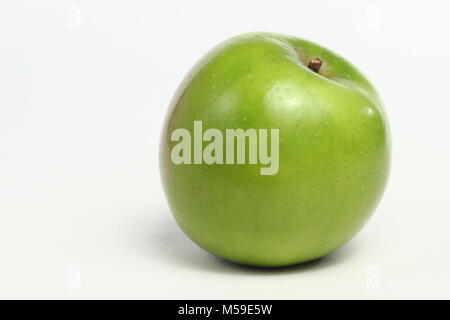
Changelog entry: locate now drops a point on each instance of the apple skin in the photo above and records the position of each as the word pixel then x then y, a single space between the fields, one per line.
pixel 334 152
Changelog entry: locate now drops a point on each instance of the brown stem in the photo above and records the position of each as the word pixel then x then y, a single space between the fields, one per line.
pixel 315 64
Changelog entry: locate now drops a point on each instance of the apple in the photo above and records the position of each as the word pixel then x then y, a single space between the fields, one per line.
pixel 275 151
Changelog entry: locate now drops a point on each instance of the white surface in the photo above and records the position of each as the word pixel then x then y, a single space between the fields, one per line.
pixel 82 213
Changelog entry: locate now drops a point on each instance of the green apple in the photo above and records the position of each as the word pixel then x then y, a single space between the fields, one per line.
pixel 326 151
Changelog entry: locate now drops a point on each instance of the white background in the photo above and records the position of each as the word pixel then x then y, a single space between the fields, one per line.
pixel 84 87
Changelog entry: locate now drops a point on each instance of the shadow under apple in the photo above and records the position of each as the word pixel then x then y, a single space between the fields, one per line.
pixel 167 239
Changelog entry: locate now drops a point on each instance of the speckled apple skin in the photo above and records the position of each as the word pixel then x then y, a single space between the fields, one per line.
pixel 334 152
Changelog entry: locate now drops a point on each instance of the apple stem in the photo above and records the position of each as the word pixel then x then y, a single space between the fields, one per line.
pixel 315 64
